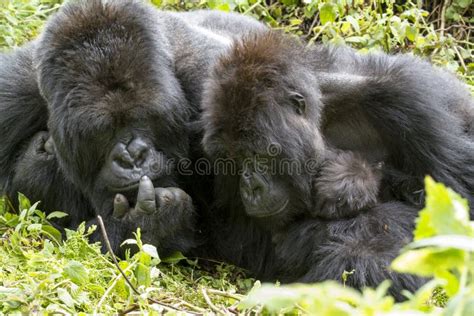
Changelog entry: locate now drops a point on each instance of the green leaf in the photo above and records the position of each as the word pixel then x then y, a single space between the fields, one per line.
pixel 354 23
pixel 142 273
pixel 34 227
pixel 464 3
pixel 427 261
pixel 56 214
pixel 128 242
pixel 65 297
pixel 3 205
pixel 451 285
pixel 174 258
pixel 327 13
pixel 23 202
pixel 448 241
pixel 411 32
pixel 445 213
pixel 76 272
pixel 150 250
pixel 462 304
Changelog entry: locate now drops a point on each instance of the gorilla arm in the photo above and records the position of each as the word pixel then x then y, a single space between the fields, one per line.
pixel 391 109
pixel 25 163
pixel 314 251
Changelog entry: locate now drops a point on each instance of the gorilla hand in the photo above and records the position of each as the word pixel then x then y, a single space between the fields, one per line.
pixel 347 185
pixel 41 146
pixel 164 215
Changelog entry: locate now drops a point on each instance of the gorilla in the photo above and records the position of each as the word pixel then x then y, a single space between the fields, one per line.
pixel 97 114
pixel 364 130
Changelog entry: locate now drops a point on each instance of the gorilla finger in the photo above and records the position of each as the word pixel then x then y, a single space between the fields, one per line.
pixel 146 201
pixel 165 197
pixel 172 197
pixel 121 206
pixel 39 142
pixel 49 146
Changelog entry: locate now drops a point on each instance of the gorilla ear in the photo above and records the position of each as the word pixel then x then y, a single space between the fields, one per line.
pixel 298 102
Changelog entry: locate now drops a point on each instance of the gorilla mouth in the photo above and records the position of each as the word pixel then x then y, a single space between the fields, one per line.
pixel 267 211
pixel 131 186
pixel 125 188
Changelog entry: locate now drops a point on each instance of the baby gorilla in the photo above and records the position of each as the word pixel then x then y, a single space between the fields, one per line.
pixel 362 131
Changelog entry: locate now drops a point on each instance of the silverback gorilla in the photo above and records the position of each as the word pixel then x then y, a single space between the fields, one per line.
pixel 96 114
pixel 378 122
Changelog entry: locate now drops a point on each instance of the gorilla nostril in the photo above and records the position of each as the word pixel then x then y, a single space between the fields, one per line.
pixel 123 163
pixel 246 174
pixel 138 150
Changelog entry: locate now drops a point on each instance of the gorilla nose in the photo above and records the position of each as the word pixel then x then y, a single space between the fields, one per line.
pixel 133 155
pixel 138 151
pixel 254 182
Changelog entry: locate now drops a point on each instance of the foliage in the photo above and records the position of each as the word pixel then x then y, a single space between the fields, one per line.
pixel 21 20
pixel 443 248
pixel 40 272
pixel 439 29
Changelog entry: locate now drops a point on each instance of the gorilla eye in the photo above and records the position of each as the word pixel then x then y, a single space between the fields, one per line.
pixel 299 103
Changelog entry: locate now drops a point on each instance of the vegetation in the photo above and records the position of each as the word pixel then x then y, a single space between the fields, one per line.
pixel 441 30
pixel 40 270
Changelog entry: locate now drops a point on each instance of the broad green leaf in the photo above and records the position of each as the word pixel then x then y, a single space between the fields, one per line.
pixel 52 232
pixel 65 297
pixel 76 272
pixel 142 273
pixel 327 13
pixel 445 213
pixel 174 258
pixel 446 241
pixel 34 227
pixel 345 27
pixel 427 261
pixel 462 304
pixel 411 32
pixel 451 285
pixel 464 3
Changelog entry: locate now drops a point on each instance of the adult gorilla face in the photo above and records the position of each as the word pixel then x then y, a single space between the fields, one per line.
pixel 117 113
pixel 262 110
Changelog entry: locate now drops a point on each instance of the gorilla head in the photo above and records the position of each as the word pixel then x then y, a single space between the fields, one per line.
pixel 117 112
pixel 262 109
pixel 351 130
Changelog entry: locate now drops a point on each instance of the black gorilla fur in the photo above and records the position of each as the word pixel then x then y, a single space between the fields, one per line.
pixel 97 112
pixel 379 122
pixel 120 84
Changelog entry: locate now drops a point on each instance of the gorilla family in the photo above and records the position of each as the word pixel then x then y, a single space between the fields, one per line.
pixel 98 114
pixel 364 131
